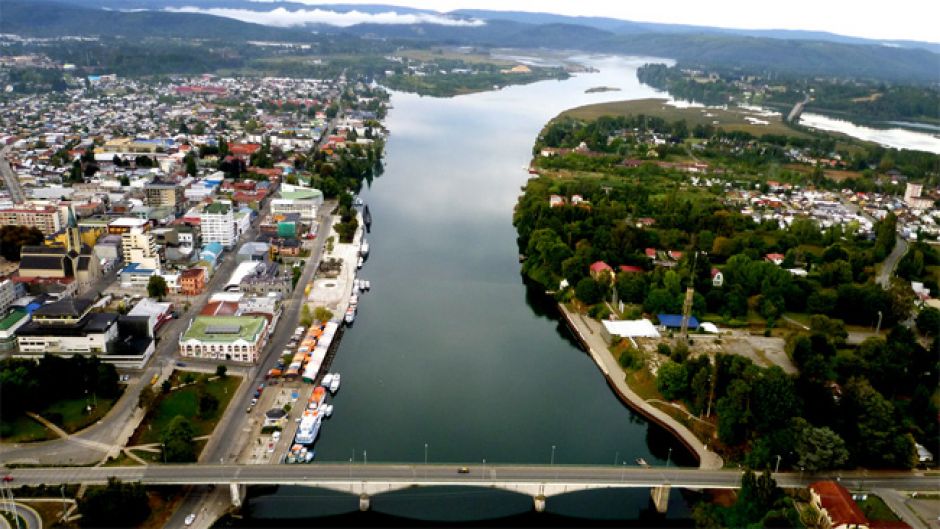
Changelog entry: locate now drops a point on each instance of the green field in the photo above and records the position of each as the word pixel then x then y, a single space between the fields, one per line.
pixel 23 429
pixel 185 402
pixel 731 119
pixel 69 414
pixel 876 510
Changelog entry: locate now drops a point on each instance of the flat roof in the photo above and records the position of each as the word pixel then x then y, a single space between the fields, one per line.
pixel 248 328
pixel 10 319
pixel 128 222
pixel 632 328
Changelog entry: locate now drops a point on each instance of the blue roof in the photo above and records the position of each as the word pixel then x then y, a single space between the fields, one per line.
pixel 674 321
pixel 134 268
pixel 33 306
pixel 214 247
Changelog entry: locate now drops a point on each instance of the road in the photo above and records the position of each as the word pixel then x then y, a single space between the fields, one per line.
pixel 900 504
pixel 891 262
pixel 27 513
pixel 440 474
pixel 10 180
pixel 232 431
pixel 93 443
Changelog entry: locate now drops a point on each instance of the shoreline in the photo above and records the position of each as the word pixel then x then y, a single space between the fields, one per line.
pixel 605 362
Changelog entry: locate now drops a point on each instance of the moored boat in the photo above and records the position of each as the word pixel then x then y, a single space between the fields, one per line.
pixel 334 384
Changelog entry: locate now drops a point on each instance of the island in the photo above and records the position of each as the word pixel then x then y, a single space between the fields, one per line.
pixel 601 89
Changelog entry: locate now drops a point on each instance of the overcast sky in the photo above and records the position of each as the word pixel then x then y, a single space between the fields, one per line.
pixel 897 19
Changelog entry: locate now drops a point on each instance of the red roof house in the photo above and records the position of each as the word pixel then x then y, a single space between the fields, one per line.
pixel 837 505
pixel 599 268
pixel 630 269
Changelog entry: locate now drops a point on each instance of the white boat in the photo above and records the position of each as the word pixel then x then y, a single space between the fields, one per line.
pixel 358 286
pixel 353 300
pixel 357 202
pixel 334 384
pixel 309 428
pixel 367 284
pixel 327 410
pixel 327 379
pixel 364 248
pixel 360 263
pixel 350 315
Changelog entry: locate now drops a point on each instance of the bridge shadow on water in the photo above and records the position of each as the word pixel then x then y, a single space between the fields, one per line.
pixel 292 506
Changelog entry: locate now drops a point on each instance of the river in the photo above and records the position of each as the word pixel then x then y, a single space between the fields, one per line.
pixel 450 348
pixel 889 137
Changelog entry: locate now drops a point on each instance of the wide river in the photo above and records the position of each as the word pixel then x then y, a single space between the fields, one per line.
pixel 450 349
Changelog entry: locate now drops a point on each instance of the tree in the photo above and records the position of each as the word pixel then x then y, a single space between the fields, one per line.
pixel 589 291
pixel 818 448
pixel 146 398
pixel 166 386
pixel 928 321
pixel 873 433
pixel 13 238
pixel 177 440
pixel 115 505
pixel 322 314
pixel 221 371
pixel 306 317
pixel 734 413
pixel 156 287
pixel 208 404
pixel 191 167
pixel 672 380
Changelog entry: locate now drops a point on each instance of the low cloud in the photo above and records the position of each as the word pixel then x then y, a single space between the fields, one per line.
pixel 282 17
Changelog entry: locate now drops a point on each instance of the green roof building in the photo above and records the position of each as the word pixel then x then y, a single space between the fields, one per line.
pixel 236 338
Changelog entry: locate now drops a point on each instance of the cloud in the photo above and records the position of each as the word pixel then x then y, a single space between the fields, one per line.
pixel 282 17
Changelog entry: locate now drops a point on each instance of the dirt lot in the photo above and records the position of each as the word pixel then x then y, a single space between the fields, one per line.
pixel 761 350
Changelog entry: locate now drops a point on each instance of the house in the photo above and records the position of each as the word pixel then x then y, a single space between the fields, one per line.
pixel 835 504
pixel 651 253
pixel 775 258
pixel 675 255
pixel 556 201
pixel 630 269
pixel 718 279
pixel 193 281
pixel 600 268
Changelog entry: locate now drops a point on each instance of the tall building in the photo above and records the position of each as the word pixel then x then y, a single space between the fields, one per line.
pixel 160 193
pixel 217 223
pixel 46 218
pixel 138 246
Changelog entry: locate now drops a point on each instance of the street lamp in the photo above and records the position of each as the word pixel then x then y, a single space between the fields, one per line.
pixel 553 455
pixel 425 454
pixel 669 455
pixel 777 468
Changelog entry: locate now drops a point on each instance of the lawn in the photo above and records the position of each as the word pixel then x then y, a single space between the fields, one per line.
pixel 185 402
pixel 731 119
pixel 24 430
pixel 71 416
pixel 876 510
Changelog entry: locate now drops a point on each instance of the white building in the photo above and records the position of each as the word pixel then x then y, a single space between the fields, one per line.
pixel 217 223
pixel 238 338
pixel 295 199
pixel 138 246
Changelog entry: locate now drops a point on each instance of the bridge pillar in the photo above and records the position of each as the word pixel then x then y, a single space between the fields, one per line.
pixel 539 503
pixel 660 497
pixel 238 494
pixel 364 502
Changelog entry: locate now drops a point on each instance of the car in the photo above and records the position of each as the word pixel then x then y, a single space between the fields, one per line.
pixel 270 448
pixel 181 364
pixel 276 436
pixel 463 470
pixel 125 378
pixel 8 478
pixel 190 518
pixel 254 401
pixel 249 409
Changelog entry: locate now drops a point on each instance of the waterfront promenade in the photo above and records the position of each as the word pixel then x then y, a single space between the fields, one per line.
pixel 589 334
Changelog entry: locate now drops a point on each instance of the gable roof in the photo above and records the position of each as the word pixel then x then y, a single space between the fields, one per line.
pixel 838 503
pixel 600 266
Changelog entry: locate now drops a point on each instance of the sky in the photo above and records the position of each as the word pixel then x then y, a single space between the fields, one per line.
pixel 898 19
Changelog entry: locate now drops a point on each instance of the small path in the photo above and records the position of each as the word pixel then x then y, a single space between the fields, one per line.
pixel 68 437
pixel 589 333
pixel 135 457
pixel 682 409
pixel 48 424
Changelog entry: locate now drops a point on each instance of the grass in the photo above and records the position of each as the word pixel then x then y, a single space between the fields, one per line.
pixel 876 510
pixel 121 461
pixel 24 430
pixel 731 119
pixel 74 416
pixel 50 512
pixel 438 54
pixel 185 402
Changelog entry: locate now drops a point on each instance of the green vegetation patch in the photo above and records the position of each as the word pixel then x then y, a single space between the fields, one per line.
pixel 72 415
pixel 876 510
pixel 185 402
pixel 23 429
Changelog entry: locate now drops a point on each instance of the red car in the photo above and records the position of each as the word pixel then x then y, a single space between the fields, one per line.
pixel 7 478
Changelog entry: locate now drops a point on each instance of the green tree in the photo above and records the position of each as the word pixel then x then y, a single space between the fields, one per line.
pixel 874 434
pixel 672 380
pixel 156 287
pixel 322 314
pixel 589 291
pixel 818 449
pixel 306 316
pixel 166 386
pixel 208 404
pixel 13 238
pixel 221 371
pixel 115 505
pixel 928 321
pixel 191 167
pixel 734 413
pixel 146 398
pixel 177 440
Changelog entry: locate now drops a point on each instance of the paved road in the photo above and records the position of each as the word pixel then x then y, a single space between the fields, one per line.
pixel 891 262
pixel 230 434
pixel 92 444
pixel 27 513
pixel 438 474
pixel 900 505
pixel 10 180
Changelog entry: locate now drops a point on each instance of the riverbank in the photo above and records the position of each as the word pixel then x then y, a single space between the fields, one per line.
pixel 588 333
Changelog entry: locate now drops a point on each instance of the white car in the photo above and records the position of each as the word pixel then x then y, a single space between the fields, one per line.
pixel 190 518
pixel 276 436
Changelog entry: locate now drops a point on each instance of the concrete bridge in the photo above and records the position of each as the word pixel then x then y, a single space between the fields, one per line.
pixel 366 480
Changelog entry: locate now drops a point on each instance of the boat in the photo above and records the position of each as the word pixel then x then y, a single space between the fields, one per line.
pixel 308 457
pixel 327 379
pixel 358 286
pixel 360 263
pixel 309 428
pixel 366 216
pixel 367 284
pixel 350 315
pixel 327 411
pixel 334 384
pixel 364 248
pixel 358 201
pixel 642 462
pixel 354 300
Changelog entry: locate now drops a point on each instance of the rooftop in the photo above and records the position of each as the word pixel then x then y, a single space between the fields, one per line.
pixel 224 328
pixel 10 319
pixel 218 208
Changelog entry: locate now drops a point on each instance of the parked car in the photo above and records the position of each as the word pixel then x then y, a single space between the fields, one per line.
pixel 463 470
pixel 190 518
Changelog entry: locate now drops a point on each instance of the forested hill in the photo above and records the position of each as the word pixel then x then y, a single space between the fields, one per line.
pixel 30 18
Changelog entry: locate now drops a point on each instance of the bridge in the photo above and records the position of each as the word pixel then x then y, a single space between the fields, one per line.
pixel 537 481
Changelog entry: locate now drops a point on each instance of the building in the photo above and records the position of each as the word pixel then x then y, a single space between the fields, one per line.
pixel 296 199
pixel 8 293
pixel 265 279
pixel 193 281
pixel 46 218
pixel 217 222
pixel 836 506
pixel 139 247
pixel 136 276
pixel 913 199
pixel 155 312
pixel 126 224
pixel 253 251
pixel 236 338
pixel 160 193
pixel 67 326
pixel 9 324
pixel 718 278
